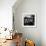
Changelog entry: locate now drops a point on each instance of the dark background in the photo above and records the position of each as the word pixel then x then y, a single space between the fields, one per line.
pixel 29 20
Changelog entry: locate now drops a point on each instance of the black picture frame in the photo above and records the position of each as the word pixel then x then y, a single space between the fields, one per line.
pixel 29 20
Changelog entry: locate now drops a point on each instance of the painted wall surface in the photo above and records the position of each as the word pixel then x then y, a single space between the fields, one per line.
pixel 37 33
pixel 43 22
pixel 6 13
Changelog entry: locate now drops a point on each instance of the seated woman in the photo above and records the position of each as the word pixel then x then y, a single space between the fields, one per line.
pixel 18 39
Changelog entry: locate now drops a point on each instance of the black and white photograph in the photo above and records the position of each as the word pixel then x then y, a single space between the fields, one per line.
pixel 29 20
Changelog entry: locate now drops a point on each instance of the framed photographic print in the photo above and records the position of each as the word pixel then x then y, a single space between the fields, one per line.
pixel 29 20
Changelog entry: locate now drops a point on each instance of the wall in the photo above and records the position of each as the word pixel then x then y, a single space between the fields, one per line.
pixel 6 13
pixel 43 22
pixel 29 32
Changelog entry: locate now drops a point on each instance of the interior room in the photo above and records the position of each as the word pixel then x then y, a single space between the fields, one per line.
pixel 22 22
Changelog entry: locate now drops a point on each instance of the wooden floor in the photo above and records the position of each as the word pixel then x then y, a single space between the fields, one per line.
pixel 9 43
